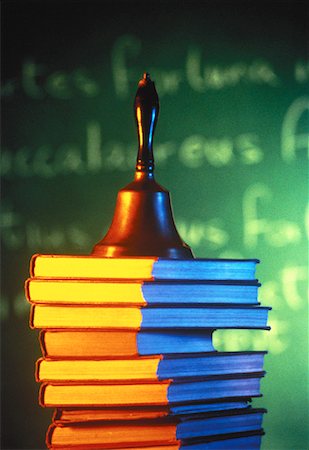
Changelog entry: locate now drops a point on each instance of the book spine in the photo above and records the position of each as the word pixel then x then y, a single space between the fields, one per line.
pixel 147 318
pixel 37 370
pixel 43 344
pixel 49 435
pixel 57 416
pixel 98 292
pixel 31 318
pixel 55 343
pixel 32 264
pixel 26 290
pixel 42 390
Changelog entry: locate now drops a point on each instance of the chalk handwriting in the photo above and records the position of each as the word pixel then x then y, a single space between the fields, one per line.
pixel 193 152
pixel 37 81
pixel 70 158
pixel 201 77
pixel 17 234
pixel 293 140
pixel 275 341
pixel 213 232
pixel 277 233
pixel 292 279
pixel 219 152
pixel 270 292
pixel 124 48
pixel 198 233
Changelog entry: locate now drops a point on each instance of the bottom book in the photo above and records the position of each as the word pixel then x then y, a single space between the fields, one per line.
pixel 155 432
pixel 244 441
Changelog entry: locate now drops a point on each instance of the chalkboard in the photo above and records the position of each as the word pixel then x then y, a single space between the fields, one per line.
pixel 231 147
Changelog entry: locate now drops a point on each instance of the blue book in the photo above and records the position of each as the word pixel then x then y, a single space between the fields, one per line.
pixel 97 292
pixel 112 434
pixel 149 368
pixel 151 393
pixel 142 268
pixel 215 389
pixel 209 364
pixel 220 423
pixel 96 343
pixel 64 416
pixel 148 318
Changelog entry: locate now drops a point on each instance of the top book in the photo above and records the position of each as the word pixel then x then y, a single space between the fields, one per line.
pixel 143 268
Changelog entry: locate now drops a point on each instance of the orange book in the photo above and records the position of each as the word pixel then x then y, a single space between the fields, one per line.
pixel 116 292
pixel 141 268
pixel 89 266
pixel 84 395
pixel 150 393
pixel 156 431
pixel 246 440
pixel 93 344
pixel 91 447
pixel 65 416
pixel 149 368
pixel 111 435
pixel 145 318
pixel 134 447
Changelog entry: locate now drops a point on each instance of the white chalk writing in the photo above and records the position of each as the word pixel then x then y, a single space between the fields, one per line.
pixel 37 81
pixel 195 151
pixel 292 139
pixel 276 232
pixel 275 341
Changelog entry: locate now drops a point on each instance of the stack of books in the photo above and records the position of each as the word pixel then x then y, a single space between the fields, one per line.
pixel 127 353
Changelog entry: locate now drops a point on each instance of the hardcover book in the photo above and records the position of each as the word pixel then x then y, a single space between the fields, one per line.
pixel 234 441
pixel 116 343
pixel 143 318
pixel 151 393
pixel 150 368
pixel 97 292
pixel 63 416
pixel 159 431
pixel 141 268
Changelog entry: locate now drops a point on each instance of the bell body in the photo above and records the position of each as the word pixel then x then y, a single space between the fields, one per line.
pixel 143 224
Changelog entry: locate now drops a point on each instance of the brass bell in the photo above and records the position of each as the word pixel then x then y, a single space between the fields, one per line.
pixel 143 223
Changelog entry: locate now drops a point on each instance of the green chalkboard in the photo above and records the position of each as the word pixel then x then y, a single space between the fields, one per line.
pixel 231 146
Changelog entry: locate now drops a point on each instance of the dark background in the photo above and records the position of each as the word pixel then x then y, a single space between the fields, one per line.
pixel 231 147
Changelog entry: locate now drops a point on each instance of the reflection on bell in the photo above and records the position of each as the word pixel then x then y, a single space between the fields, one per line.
pixel 143 223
